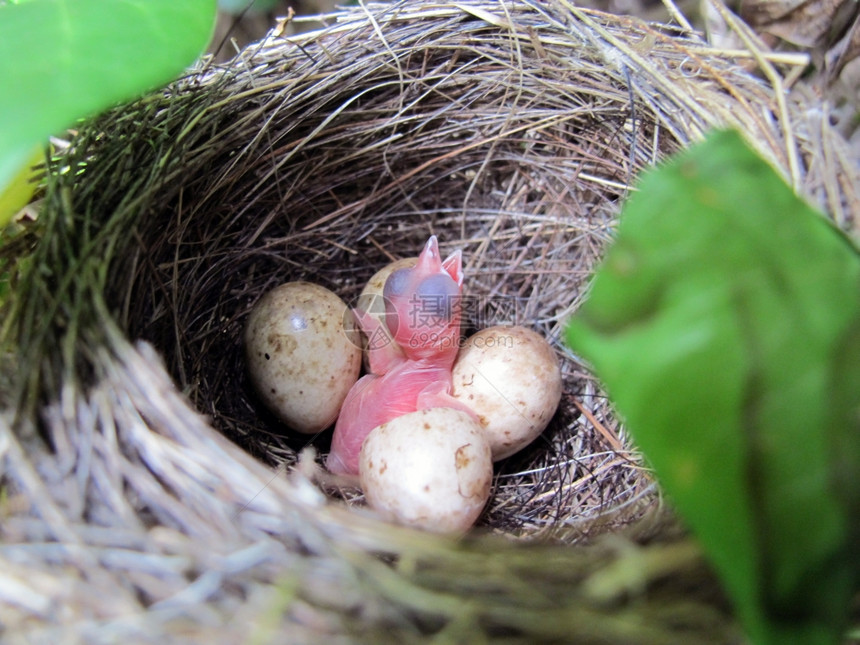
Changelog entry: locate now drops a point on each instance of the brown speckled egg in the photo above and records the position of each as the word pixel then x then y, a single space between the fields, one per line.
pixel 301 360
pixel 510 377
pixel 431 469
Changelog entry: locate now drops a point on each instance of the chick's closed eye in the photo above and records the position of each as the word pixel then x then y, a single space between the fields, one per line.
pixel 437 296
pixel 396 284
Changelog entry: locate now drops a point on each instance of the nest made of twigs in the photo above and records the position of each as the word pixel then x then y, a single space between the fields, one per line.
pixel 513 131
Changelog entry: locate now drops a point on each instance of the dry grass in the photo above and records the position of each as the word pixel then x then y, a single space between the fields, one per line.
pixel 513 132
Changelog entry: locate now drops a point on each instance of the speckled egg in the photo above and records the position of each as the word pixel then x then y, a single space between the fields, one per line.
pixel 431 469
pixel 300 358
pixel 510 377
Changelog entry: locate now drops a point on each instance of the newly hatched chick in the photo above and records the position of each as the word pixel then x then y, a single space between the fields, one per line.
pixel 412 371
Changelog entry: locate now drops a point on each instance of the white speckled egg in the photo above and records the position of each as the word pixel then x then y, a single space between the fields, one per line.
pixel 510 377
pixel 431 469
pixel 301 360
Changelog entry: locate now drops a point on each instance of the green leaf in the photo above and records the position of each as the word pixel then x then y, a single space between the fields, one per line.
pixel 61 60
pixel 251 7
pixel 725 324
pixel 21 186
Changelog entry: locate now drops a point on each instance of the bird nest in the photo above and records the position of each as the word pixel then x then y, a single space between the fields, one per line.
pixel 147 493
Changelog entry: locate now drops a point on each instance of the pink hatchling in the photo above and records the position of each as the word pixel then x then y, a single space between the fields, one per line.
pixel 412 371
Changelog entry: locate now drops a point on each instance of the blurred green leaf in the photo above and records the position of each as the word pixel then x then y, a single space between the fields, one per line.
pixel 238 7
pixel 21 186
pixel 61 60
pixel 725 324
